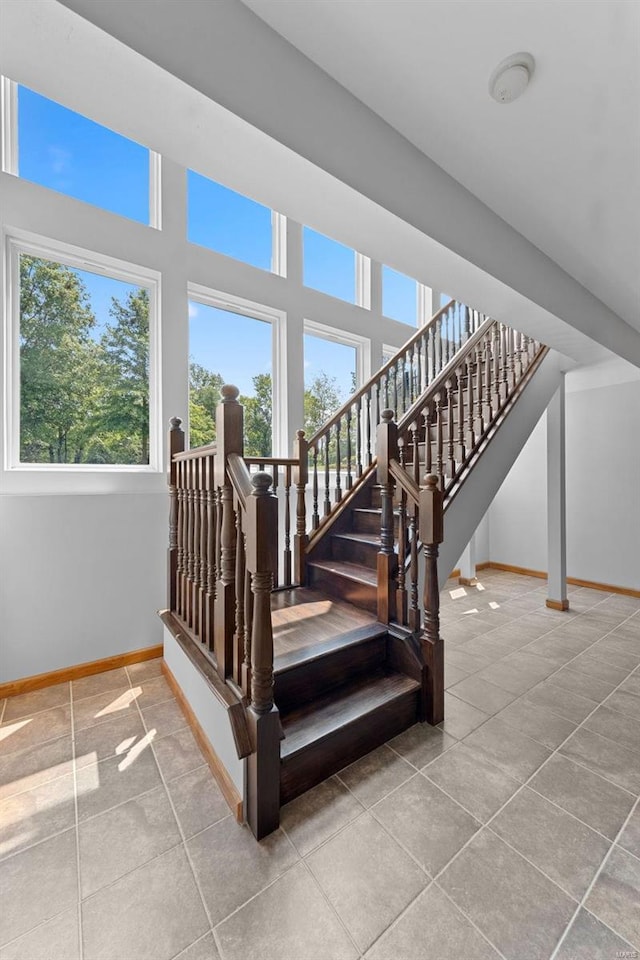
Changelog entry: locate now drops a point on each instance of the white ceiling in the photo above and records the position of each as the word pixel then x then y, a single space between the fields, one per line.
pixel 561 165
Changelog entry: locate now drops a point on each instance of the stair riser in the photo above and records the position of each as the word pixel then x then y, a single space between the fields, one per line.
pixel 355 551
pixel 342 588
pixel 369 522
pixel 306 682
pixel 302 771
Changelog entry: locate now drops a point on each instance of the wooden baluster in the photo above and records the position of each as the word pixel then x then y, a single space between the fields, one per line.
pixel 378 389
pixel 239 646
pixel 504 381
pixel 495 341
pixel 512 359
pixel 480 390
pixel 248 626
pixel 431 534
pixel 451 439
pixel 401 368
pixel 439 406
pixel 428 450
pixel 368 428
pixel 471 419
pixel 301 476
pixel 338 490
pixel 327 487
pixel 287 526
pixel 415 450
pixel 414 609
pixel 175 444
pixel 385 380
pixel 349 480
pixel 395 389
pixel 386 450
pixel 488 387
pixel 463 372
pixel 359 437
pixel 197 530
pixel 274 489
pixel 467 323
pixel 204 530
pixel 315 517
pixel 432 351
pixel 263 764
pixel 212 525
pixel 191 559
pixel 419 383
pixel 229 434
pixel 401 591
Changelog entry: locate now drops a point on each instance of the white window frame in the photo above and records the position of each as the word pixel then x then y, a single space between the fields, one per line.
pixel 277 318
pixel 18 243
pixel 361 345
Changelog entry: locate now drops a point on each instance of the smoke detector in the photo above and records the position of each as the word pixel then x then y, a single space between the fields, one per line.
pixel 510 78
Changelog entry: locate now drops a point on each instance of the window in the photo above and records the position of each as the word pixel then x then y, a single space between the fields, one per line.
pixel 228 222
pixel 329 378
pixel 399 296
pixel 329 266
pixel 226 346
pixel 83 388
pixel 65 151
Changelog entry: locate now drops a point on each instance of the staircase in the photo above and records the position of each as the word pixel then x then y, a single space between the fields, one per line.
pixel 369 492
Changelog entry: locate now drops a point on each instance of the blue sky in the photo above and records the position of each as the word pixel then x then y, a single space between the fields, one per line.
pixel 69 153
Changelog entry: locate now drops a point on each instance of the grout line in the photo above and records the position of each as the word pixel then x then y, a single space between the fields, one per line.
pixel 472 922
pixel 595 879
pixel 188 947
pixel 333 910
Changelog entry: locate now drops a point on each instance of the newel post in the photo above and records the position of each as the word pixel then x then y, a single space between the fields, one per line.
pixel 431 535
pixel 263 765
pixel 175 444
pixel 300 478
pixel 386 450
pixel 229 439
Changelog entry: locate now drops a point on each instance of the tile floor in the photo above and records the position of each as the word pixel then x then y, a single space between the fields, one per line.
pixel 513 831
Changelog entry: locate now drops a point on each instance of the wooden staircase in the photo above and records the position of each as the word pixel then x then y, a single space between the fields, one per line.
pixel 364 516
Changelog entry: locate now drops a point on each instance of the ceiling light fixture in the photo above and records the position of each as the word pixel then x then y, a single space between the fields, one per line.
pixel 510 78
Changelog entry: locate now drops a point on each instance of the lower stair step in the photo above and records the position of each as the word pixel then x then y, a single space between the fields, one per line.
pixel 325 735
pixel 352 582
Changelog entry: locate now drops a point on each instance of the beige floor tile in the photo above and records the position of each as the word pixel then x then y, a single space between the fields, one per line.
pixel 290 919
pixel 588 939
pixel 99 683
pixel 604 757
pixel 616 895
pixel 151 914
pixel 632 684
pixel 109 705
pixel 153 691
pixel 519 672
pixel 231 867
pixel 562 847
pixel 623 702
pixel 38 884
pixel 596 801
pixel 164 718
pixel 452 675
pixel 600 669
pixel 26 770
pixel 481 694
pixel 537 723
pixel 460 718
pixel 28 732
pixel 26 704
pixel 621 729
pixel 588 687
pixel 36 814
pixel 197 800
pixel 112 738
pixel 630 838
pixel 57 939
pixel 145 670
pixel 376 775
pixel 177 754
pixel 471 780
pixel 317 815
pixel 111 782
pixel 516 755
pixel 203 949
pixel 367 878
pixel 507 898
pixel 421 743
pixel 432 929
pixel 124 838
pixel 561 702
pixel 426 822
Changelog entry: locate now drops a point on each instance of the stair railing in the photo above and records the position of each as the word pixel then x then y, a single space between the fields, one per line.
pixel 339 456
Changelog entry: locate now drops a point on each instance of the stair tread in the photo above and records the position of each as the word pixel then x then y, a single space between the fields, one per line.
pixel 314 721
pixel 343 568
pixel 342 641
pixel 372 538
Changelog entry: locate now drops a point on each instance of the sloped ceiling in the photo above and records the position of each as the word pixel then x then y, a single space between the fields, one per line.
pixel 562 165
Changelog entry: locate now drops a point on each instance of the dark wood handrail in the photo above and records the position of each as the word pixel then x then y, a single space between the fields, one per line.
pixel 196 452
pixel 272 461
pixel 240 478
pixel 378 375
pixel 405 480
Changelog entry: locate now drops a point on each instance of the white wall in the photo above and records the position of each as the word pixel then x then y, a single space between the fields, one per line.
pixel 603 484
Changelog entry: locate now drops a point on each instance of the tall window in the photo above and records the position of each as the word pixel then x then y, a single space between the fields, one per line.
pixel 229 347
pixel 399 296
pixel 65 151
pixel 329 266
pixel 84 359
pixel 228 222
pixel 329 379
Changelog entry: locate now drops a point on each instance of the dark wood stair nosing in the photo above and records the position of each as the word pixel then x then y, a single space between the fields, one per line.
pixel 352 639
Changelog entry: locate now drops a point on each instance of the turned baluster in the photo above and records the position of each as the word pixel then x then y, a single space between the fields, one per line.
pixel 495 348
pixel 386 450
pixel 248 626
pixel 439 407
pixel 315 517
pixel 512 359
pixel 488 388
pixel 451 457
pixel 212 525
pixel 301 476
pixel 401 591
pixel 428 439
pixel 327 480
pixel 432 352
pixel 419 383
pixel 504 381
pixel 240 644
pixel 463 372
pixel 286 555
pixel 349 478
pixel 480 389
pixel 274 489
pixel 182 542
pixel 358 437
pixel 413 619
pixel 401 368
pixel 368 429
pixel 191 557
pixel 471 421
pixel 175 444
pixel 431 534
pixel 197 530
pixel 415 450
pixel 338 490
pixel 204 531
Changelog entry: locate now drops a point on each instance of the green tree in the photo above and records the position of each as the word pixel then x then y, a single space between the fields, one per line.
pixel 59 363
pixel 321 400
pixel 258 417
pixel 204 396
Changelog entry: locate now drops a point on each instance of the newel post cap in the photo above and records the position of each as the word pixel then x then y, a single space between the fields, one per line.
pixel 230 393
pixel 261 482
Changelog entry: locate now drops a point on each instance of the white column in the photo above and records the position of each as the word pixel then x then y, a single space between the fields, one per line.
pixel 556 503
pixel 468 563
pixel 291 349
